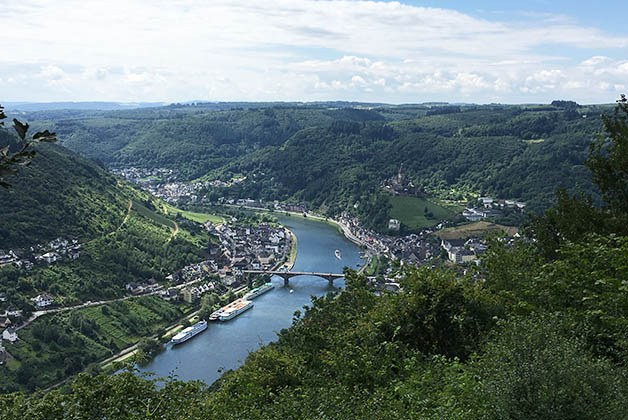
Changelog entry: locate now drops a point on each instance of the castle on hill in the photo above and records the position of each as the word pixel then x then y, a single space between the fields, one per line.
pixel 400 184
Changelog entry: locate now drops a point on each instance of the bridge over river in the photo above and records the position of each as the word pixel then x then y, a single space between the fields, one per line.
pixel 287 275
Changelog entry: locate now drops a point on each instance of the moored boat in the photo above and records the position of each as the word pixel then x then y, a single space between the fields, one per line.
pixel 189 332
pixel 259 291
pixel 234 309
pixel 215 316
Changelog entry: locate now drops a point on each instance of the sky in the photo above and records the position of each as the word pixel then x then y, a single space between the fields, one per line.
pixel 309 50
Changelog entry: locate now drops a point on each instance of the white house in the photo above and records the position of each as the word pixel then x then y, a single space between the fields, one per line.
pixel 43 300
pixel 50 257
pixel 10 335
pixel 13 311
pixel 487 201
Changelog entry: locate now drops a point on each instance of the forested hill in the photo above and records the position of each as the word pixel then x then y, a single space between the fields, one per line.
pixel 335 157
pixel 60 193
pixel 123 234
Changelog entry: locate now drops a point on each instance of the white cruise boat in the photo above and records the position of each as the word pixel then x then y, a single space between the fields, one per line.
pixel 259 291
pixel 189 332
pixel 234 309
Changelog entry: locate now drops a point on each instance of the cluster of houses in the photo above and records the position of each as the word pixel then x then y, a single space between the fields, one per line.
pixel 172 192
pixel 10 315
pixel 193 293
pixel 58 249
pixel 51 252
pixel 144 175
pixel 7 324
pixel 475 214
pixel 15 257
pixel 239 248
pixel 48 253
pixel 193 272
pixel 260 204
pixel 414 249
pixel 489 202
pixel 148 286
pixel 490 208
pixel 225 184
pixel 462 251
pixel 161 183
pixel 252 247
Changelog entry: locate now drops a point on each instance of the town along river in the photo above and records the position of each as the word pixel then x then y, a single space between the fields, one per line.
pixel 225 345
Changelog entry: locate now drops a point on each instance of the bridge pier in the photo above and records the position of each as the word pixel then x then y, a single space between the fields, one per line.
pixel 286 281
pixel 330 280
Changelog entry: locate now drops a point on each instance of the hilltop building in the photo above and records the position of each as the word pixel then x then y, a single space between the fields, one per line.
pixel 399 184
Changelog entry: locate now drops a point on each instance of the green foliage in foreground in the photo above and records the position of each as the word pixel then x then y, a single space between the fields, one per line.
pixel 445 347
pixel 14 155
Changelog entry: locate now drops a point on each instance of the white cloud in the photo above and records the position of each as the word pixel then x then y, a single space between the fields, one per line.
pixel 52 73
pixel 294 50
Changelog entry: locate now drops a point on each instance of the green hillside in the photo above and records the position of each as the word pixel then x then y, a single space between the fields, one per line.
pixel 417 212
pixel 334 158
pixel 123 233
pixel 60 193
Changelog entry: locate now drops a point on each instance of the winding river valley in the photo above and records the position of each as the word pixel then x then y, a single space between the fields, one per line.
pixel 226 345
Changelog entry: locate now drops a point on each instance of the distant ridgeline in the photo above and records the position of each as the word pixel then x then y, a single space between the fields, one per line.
pixel 334 155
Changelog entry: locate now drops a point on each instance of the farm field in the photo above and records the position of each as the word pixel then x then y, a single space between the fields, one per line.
pixel 155 216
pixel 411 211
pixel 195 216
pixel 474 229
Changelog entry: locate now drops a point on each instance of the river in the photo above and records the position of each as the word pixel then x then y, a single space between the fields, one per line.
pixel 226 345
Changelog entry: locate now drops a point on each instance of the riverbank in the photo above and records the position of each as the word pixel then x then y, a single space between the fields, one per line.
pixel 339 225
pixel 288 265
pixel 226 345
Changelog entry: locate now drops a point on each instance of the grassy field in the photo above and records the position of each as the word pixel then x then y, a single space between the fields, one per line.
pixel 369 270
pixel 155 216
pixel 474 229
pixel 411 211
pixel 197 217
